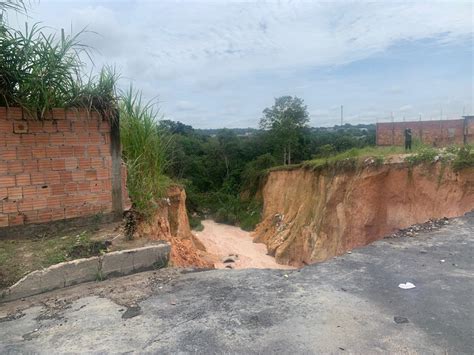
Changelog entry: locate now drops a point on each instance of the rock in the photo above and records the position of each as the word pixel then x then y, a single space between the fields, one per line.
pixel 131 312
pixel 400 320
pixel 228 259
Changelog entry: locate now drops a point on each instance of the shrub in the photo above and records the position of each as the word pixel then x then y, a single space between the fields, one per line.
pixel 423 155
pixel 464 158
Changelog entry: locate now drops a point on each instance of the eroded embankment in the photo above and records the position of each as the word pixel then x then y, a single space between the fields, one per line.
pixel 171 223
pixel 311 216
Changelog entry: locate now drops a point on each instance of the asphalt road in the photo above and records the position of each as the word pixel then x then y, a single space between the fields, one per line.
pixel 345 305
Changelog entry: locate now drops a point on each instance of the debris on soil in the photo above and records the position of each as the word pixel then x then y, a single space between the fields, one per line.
pixel 132 311
pixel 400 320
pixel 406 286
pixel 412 231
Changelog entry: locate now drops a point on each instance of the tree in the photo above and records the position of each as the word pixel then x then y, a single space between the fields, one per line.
pixel 286 119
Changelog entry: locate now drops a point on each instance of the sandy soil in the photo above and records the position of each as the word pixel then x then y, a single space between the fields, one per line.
pixel 222 240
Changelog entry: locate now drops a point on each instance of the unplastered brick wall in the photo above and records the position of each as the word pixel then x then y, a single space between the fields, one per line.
pixel 437 133
pixel 54 169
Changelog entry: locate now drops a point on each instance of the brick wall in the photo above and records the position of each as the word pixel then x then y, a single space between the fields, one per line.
pixel 437 133
pixel 54 169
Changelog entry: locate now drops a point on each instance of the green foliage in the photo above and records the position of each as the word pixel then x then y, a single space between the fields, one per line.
pixel 195 222
pixel 464 158
pixel 285 120
pixel 145 151
pixel 423 155
pixel 255 171
pixel 40 71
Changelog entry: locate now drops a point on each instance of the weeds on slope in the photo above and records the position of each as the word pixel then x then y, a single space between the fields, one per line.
pixel 145 151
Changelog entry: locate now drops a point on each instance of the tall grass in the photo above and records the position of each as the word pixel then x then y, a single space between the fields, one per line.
pixel 40 71
pixel 145 151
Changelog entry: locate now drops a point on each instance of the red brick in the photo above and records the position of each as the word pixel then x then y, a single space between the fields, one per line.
pixel 58 113
pixel 71 114
pixel 50 126
pixel 44 215
pixel 3 194
pixel 8 154
pixel 12 140
pixel 37 178
pixel 95 138
pixel 3 220
pixel 15 193
pixel 26 205
pixel 55 201
pixel 71 138
pixel 3 167
pixel 30 216
pixel 15 167
pixel 45 164
pixel 91 174
pixel 93 151
pixel 83 186
pixel 40 203
pixel 71 163
pixel 78 175
pixel 30 166
pixel 29 192
pixel 58 164
pixel 23 153
pixel 43 191
pixel 52 177
pixel 41 139
pixel 23 180
pixel 36 127
pixel 14 113
pixel 38 152
pixel 84 163
pixel 57 214
pixel 64 126
pixel 79 151
pixel 56 139
pixel 72 212
pixel 66 151
pixel 10 206
pixel 66 176
pixel 15 219
pixel 102 174
pixel 97 163
pixel 6 126
pixel 70 187
pixel 53 152
pixel 7 181
pixel 57 189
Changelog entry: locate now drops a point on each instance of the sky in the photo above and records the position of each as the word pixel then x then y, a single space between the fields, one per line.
pixel 215 64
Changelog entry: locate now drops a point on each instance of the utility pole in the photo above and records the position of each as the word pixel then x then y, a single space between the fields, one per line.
pixel 342 114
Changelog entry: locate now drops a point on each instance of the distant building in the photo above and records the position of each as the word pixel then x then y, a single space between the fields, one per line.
pixel 438 133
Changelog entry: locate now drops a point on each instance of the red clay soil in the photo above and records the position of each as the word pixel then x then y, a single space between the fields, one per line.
pixel 311 216
pixel 171 223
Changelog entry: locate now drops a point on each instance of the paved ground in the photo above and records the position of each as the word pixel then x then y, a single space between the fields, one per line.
pixel 346 305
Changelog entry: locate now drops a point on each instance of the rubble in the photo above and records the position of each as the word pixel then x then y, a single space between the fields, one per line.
pixel 414 230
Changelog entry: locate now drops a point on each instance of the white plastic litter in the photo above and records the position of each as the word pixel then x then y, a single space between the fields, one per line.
pixel 407 286
pixel 442 260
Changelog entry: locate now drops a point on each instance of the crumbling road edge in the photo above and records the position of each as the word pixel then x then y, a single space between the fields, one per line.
pixel 74 272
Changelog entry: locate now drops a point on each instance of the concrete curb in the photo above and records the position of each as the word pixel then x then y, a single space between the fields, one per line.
pixel 83 270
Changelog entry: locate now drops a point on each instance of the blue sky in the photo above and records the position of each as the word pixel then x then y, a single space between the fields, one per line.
pixel 216 64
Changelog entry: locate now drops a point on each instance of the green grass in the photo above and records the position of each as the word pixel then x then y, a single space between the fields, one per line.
pixel 464 158
pixel 40 70
pixel 145 151
pixel 20 256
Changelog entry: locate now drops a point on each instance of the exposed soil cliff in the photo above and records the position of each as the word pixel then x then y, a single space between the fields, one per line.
pixel 171 223
pixel 311 216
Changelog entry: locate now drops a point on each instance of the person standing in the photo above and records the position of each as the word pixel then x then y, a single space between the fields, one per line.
pixel 407 139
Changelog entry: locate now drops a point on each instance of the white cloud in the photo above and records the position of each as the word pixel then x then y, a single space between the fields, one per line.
pixel 188 49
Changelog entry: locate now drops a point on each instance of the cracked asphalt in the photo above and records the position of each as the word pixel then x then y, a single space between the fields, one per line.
pixel 346 305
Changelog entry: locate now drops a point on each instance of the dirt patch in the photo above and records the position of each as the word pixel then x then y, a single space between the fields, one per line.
pixel 233 248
